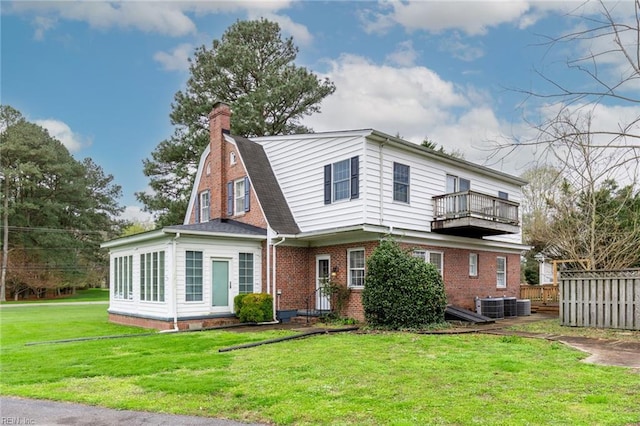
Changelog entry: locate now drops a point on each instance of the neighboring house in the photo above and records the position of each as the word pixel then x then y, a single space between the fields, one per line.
pixel 282 214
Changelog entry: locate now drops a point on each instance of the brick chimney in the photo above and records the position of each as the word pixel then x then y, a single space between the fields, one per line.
pixel 219 124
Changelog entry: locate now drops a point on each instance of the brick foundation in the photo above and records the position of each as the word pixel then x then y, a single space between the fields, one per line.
pixel 168 325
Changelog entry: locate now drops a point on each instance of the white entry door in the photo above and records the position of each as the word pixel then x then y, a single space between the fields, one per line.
pixel 323 301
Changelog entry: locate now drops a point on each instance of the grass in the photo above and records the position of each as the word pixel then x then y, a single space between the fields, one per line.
pixel 87 295
pixel 350 378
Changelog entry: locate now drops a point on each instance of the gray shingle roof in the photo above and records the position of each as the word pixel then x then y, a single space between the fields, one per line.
pixel 222 226
pixel 266 187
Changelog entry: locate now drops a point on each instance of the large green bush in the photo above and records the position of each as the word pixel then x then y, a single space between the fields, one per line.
pixel 254 307
pixel 402 291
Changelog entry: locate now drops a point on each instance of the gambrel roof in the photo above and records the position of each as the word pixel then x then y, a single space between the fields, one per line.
pixel 266 187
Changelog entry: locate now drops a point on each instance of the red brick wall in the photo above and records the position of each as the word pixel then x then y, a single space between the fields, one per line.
pixel 221 171
pixel 297 268
pixel 168 325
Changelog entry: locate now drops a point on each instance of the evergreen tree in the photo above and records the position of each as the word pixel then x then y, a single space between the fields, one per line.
pixel 252 69
pixel 56 210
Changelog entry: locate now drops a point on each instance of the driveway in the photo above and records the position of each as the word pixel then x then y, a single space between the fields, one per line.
pixel 19 411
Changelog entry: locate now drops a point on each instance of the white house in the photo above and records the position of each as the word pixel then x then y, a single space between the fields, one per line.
pixel 282 214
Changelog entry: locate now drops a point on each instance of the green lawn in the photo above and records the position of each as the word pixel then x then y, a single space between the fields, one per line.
pixel 372 378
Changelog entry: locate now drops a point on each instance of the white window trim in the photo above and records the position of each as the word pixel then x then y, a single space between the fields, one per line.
pixel 426 255
pixel 205 210
pixel 232 158
pixel 408 184
pixel 473 264
pixel 200 301
pixel 349 269
pixel 236 197
pixel 333 181
pixel 503 272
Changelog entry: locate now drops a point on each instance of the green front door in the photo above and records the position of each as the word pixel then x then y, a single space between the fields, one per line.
pixel 220 283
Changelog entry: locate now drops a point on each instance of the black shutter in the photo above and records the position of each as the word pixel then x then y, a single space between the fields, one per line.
pixel 247 194
pixel 355 178
pixel 229 198
pixel 327 184
pixel 196 206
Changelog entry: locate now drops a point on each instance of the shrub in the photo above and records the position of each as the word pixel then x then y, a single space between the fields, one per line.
pixel 254 307
pixel 402 291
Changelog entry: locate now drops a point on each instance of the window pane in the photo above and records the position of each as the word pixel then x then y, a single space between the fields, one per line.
pixel 473 264
pixel 435 258
pixel 193 276
pixel 400 182
pixel 341 180
pixel 246 272
pixel 501 272
pixel 204 207
pixel 239 196
pixel 356 268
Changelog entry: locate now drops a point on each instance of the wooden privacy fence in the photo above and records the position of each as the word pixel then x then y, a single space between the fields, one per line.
pixel 604 299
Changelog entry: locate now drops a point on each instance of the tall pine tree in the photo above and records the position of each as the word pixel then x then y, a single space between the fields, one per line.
pixel 252 69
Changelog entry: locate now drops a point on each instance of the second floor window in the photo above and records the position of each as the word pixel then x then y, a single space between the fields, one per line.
pixel 400 182
pixel 238 193
pixel 204 206
pixel 341 180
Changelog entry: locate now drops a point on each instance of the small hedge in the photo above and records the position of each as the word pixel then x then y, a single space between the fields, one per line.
pixel 254 307
pixel 402 291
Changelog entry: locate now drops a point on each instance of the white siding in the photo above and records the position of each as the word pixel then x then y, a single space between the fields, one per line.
pixel 219 249
pixel 135 305
pixel 427 179
pixel 298 162
pixel 212 248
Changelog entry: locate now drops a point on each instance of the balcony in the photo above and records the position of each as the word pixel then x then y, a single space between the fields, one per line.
pixel 475 215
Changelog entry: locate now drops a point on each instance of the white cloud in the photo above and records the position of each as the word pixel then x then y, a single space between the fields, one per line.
pixel 162 17
pixel 137 215
pixel 300 33
pixel 461 50
pixel 471 17
pixel 177 59
pixel 404 55
pixel 42 25
pixel 415 102
pixel 62 132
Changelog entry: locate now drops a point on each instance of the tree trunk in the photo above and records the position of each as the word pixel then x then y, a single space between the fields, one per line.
pixel 5 242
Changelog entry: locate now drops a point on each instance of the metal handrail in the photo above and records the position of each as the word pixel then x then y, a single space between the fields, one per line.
pixel 325 303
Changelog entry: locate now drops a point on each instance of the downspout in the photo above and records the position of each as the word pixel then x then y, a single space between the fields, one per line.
pixel 381 174
pixel 269 233
pixel 273 271
pixel 174 278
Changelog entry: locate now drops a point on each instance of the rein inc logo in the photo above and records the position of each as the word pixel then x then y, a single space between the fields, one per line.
pixel 16 421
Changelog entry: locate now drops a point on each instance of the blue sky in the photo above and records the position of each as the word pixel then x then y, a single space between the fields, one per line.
pixel 101 76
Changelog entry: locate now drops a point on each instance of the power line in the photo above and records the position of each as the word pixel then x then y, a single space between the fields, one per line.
pixel 61 230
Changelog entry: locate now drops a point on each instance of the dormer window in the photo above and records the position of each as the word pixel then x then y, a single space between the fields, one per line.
pixel 238 196
pixel 232 158
pixel 204 206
